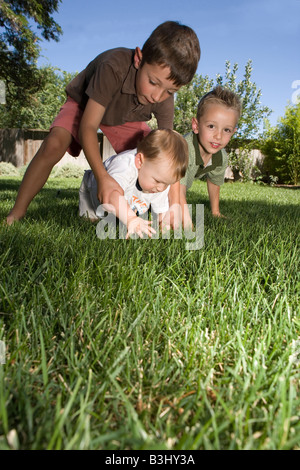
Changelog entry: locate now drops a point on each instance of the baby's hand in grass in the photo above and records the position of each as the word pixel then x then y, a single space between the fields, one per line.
pixel 139 226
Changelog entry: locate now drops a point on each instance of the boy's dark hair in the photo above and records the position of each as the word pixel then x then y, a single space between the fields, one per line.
pixel 170 143
pixel 176 46
pixel 223 96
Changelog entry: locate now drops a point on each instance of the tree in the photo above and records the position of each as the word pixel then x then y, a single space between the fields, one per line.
pixel 43 106
pixel 186 102
pixel 281 146
pixel 19 48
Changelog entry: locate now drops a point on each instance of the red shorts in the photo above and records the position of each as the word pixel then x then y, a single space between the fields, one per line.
pixel 122 137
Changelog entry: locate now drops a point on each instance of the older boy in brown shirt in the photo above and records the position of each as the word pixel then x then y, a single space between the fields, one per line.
pixel 117 93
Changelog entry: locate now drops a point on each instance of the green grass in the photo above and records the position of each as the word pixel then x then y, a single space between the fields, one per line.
pixel 142 344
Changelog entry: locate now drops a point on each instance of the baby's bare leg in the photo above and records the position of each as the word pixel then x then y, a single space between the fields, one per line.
pixel 51 151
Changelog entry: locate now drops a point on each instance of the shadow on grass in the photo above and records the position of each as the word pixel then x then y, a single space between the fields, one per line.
pixel 54 242
pixel 250 211
pixel 56 203
pixel 60 205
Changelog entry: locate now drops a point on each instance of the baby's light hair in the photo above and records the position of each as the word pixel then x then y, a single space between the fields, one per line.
pixel 222 96
pixel 170 142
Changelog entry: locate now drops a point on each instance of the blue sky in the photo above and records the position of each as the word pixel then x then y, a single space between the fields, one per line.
pixel 266 31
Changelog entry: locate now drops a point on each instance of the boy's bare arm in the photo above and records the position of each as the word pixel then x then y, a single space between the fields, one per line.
pixel 174 213
pixel 89 125
pixel 186 218
pixel 214 198
pixel 121 208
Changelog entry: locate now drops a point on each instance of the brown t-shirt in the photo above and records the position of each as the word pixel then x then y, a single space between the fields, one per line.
pixel 110 81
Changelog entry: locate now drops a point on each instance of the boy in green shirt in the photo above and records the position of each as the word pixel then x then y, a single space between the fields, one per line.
pixel 217 117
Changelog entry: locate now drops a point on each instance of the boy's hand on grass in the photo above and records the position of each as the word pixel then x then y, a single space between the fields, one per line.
pixel 219 215
pixel 164 226
pixel 13 217
pixel 173 218
pixel 188 224
pixel 10 219
pixel 139 226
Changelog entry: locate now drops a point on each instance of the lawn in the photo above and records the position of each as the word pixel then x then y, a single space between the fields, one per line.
pixel 143 344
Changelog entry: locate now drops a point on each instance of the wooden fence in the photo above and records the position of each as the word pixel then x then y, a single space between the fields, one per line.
pixel 18 146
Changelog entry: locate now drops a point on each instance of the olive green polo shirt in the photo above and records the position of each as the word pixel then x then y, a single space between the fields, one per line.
pixel 215 170
pixel 110 81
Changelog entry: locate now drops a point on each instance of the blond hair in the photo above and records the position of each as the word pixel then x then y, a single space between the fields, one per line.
pixel 169 142
pixel 223 96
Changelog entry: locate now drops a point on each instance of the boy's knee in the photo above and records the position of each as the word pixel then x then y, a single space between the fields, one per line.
pixel 55 145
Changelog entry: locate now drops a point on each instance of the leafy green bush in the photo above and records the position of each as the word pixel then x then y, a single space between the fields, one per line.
pixel 281 147
pixel 8 169
pixel 68 171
